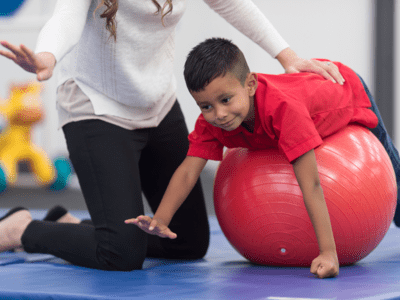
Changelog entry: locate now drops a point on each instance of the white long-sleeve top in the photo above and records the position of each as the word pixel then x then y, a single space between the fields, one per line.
pixel 133 77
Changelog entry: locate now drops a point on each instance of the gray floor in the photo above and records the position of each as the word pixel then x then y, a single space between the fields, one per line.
pixel 26 193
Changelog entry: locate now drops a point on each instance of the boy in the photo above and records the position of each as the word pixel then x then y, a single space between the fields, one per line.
pixel 257 111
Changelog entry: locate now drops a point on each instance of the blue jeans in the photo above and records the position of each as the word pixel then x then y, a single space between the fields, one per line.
pixel 381 133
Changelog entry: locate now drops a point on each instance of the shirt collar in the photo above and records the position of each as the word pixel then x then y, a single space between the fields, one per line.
pixel 233 132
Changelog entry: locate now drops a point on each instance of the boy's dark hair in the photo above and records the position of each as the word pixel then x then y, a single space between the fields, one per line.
pixel 211 59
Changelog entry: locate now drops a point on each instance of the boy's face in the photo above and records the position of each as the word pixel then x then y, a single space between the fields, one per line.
pixel 225 103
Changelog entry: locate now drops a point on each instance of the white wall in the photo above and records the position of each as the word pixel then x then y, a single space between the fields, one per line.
pixel 335 29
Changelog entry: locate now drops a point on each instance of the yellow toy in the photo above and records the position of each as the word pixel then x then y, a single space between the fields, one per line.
pixel 21 111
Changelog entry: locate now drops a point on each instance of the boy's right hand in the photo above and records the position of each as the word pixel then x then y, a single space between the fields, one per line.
pixel 42 63
pixel 326 265
pixel 152 226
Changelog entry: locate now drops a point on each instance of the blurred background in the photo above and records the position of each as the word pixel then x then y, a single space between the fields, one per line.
pixel 360 33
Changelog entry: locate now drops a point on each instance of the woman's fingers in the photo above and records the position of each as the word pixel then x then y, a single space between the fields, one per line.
pixel 18 53
pixel 326 69
pixel 8 55
pixel 330 71
pixel 22 56
pixel 43 75
pixel 29 54
pixel 326 75
pixel 9 46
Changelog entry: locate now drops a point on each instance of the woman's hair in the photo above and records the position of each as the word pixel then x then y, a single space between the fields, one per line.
pixel 162 9
pixel 109 15
pixel 112 8
pixel 211 59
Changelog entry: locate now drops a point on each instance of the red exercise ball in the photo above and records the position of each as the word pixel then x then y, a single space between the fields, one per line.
pixel 260 207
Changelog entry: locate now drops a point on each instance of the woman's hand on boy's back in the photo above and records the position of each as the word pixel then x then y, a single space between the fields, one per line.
pixel 294 64
pixel 42 63
pixel 325 265
pixel 152 226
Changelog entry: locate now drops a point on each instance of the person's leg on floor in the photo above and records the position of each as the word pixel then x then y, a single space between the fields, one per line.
pixel 105 158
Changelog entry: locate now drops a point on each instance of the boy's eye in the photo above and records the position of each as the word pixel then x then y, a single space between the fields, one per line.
pixel 205 107
pixel 226 100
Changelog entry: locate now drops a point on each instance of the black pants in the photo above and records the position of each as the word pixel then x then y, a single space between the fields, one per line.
pixel 114 166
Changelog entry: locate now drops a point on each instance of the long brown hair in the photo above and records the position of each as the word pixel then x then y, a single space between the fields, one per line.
pixel 162 9
pixel 112 8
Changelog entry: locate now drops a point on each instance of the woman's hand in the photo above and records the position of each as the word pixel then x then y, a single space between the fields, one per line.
pixel 294 64
pixel 152 226
pixel 42 63
pixel 325 265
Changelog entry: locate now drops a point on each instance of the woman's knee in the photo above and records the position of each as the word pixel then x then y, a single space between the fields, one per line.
pixel 121 248
pixel 121 257
pixel 198 247
pixel 188 245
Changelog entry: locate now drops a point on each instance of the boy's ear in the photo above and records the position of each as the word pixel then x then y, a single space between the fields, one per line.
pixel 252 83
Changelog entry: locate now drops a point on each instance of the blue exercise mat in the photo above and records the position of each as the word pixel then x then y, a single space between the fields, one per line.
pixel 8 258
pixel 222 274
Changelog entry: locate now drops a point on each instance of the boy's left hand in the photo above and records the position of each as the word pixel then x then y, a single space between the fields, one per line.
pixel 325 265
pixel 152 226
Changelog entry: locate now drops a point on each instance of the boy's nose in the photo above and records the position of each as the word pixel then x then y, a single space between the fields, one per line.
pixel 221 114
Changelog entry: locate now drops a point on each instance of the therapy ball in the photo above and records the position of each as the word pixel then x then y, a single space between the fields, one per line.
pixel 261 211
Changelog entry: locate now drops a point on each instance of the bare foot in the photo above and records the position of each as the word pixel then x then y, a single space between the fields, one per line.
pixel 68 218
pixel 12 228
pixel 60 214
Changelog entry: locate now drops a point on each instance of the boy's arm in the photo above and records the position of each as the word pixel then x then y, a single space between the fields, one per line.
pixel 306 171
pixel 180 185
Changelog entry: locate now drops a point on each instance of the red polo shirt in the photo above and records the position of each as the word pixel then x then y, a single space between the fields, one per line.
pixel 294 112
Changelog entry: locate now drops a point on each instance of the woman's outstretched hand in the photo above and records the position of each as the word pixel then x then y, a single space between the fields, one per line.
pixel 294 64
pixel 152 226
pixel 41 63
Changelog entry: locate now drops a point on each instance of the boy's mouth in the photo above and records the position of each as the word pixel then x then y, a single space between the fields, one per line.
pixel 226 124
